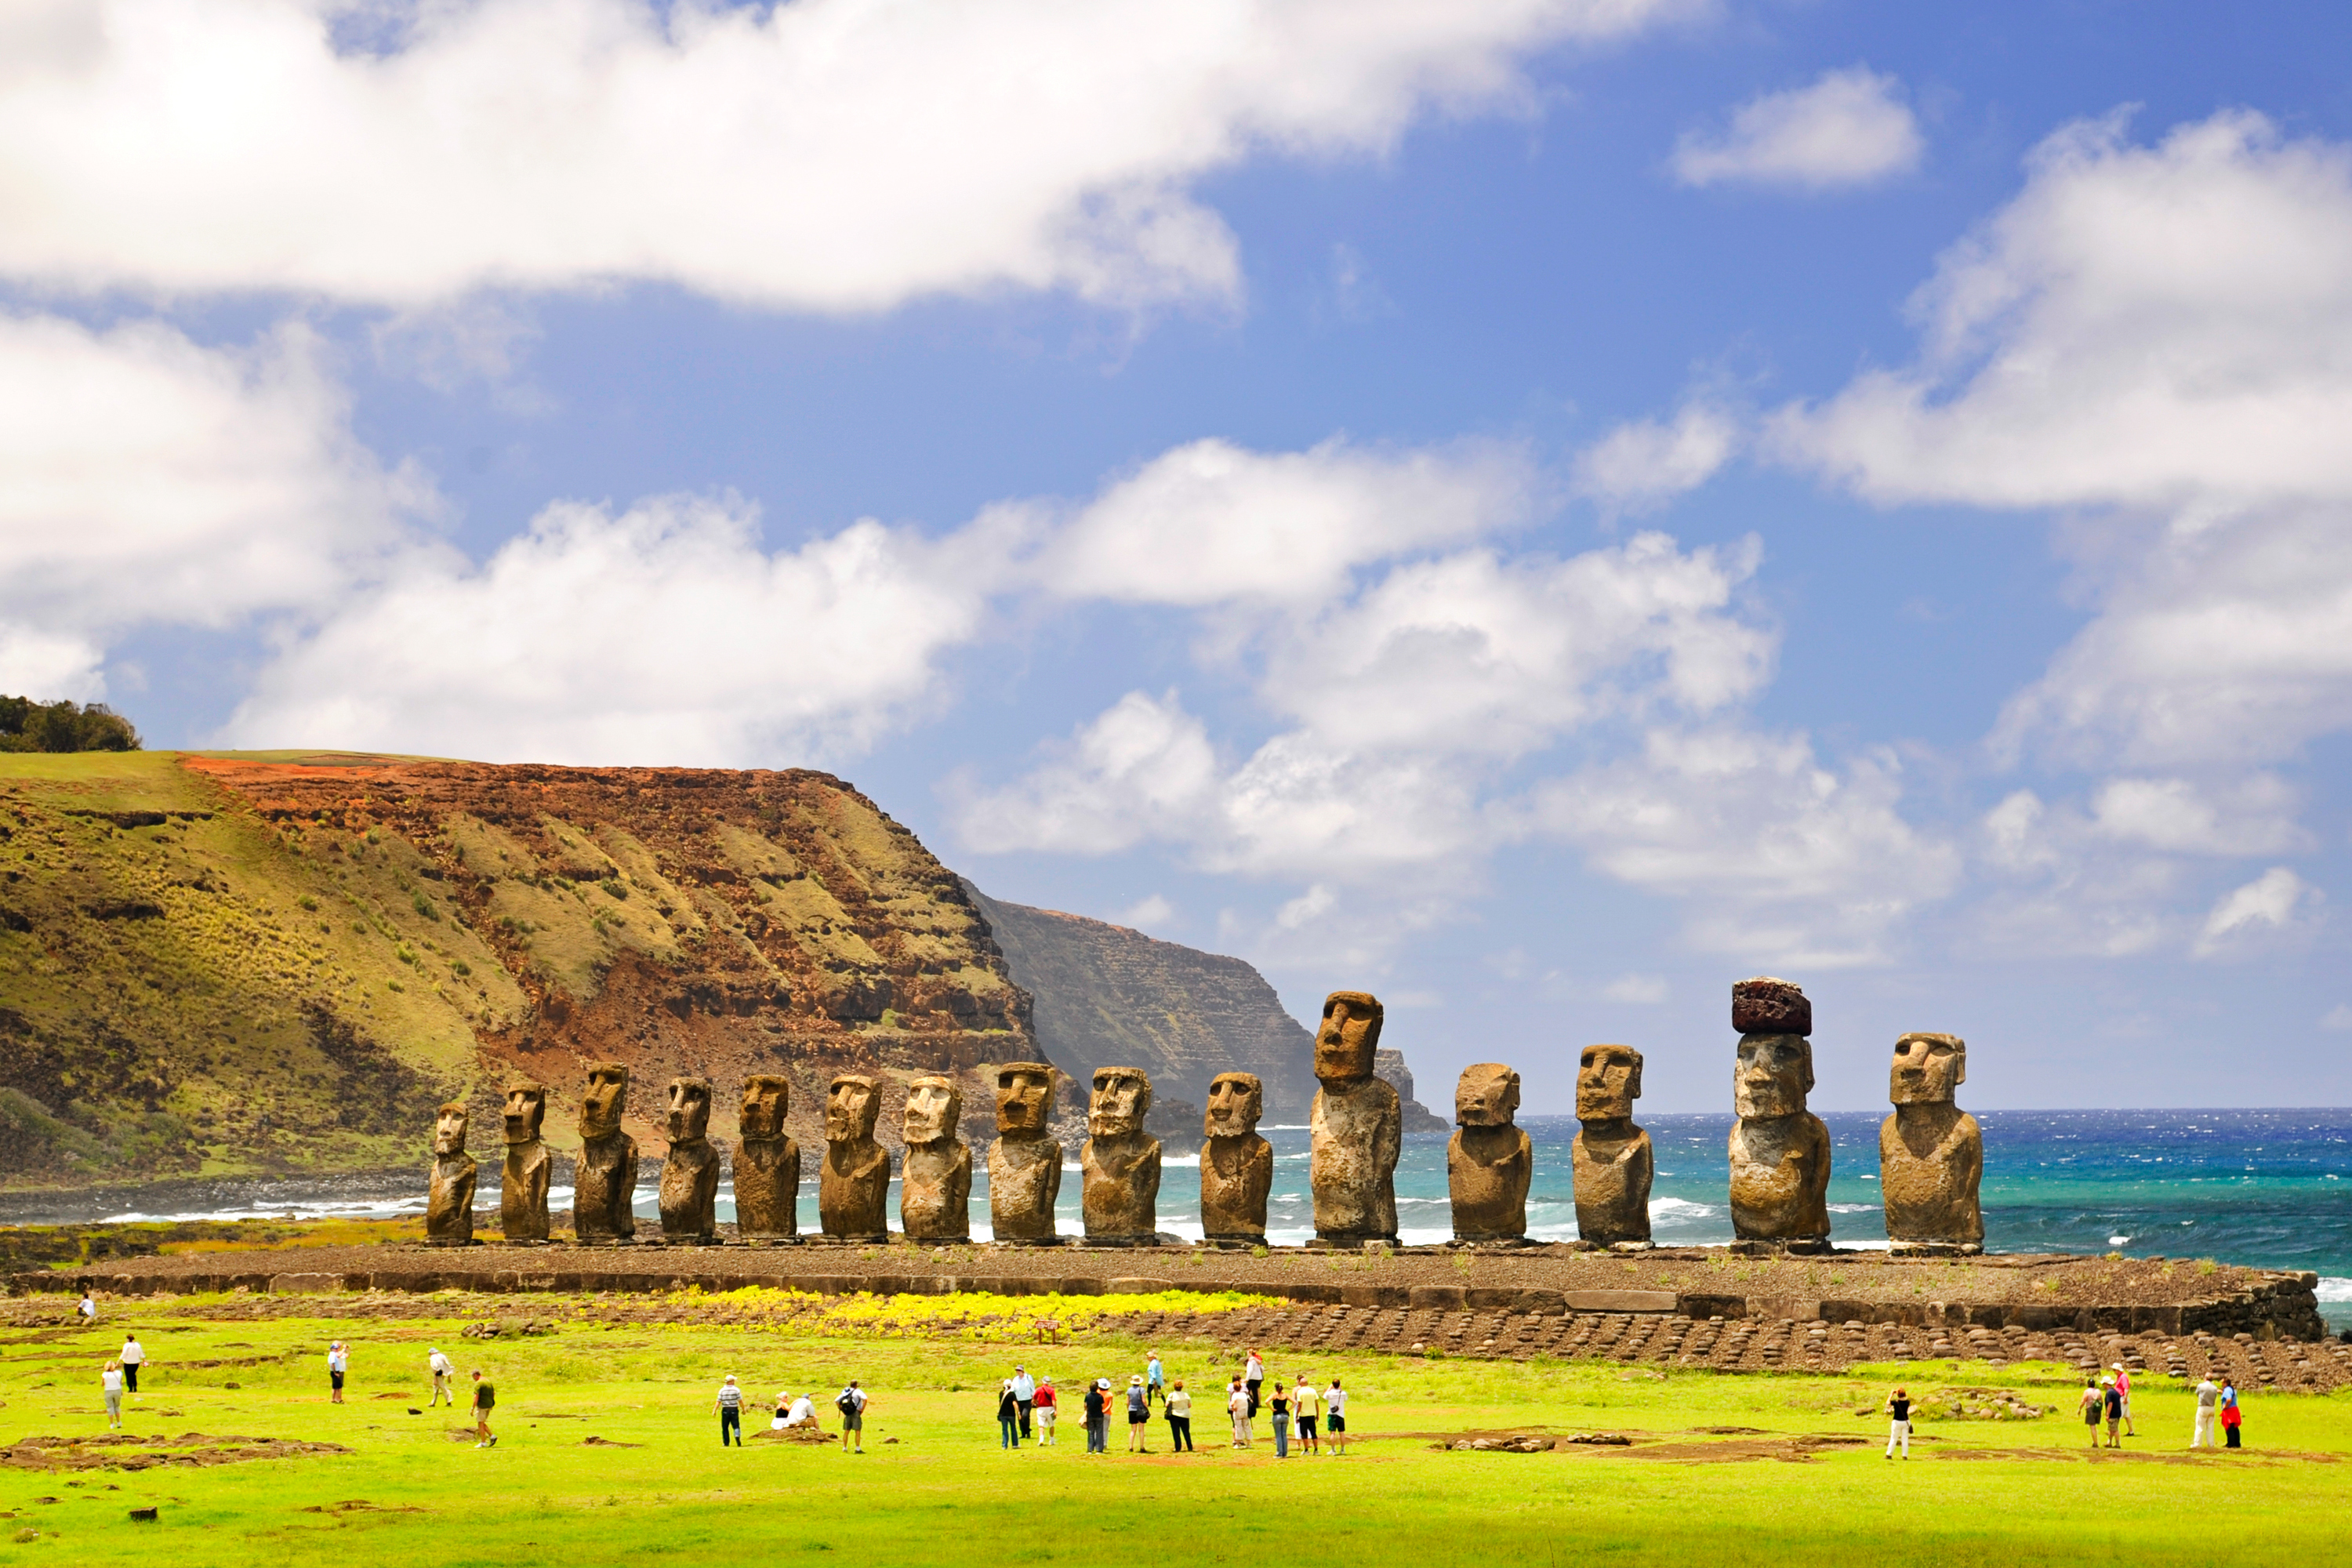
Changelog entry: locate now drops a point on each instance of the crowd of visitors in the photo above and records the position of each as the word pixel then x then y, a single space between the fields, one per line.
pixel 1299 1413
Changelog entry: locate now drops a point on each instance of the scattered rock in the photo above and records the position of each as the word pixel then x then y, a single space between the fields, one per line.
pixel 143 1516
pixel 606 1443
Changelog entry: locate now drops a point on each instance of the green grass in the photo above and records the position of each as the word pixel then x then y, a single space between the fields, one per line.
pixel 945 1493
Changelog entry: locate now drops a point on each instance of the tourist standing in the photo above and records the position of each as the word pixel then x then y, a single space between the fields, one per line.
pixel 1048 1411
pixel 1253 1374
pixel 485 1399
pixel 1025 1394
pixel 1098 1420
pixel 2123 1392
pixel 443 1372
pixel 1335 1415
pixel 2092 1403
pixel 1305 1401
pixel 2208 1398
pixel 339 1362
pixel 1237 1404
pixel 1155 1380
pixel 852 1402
pixel 1008 1416
pixel 730 1406
pixel 2231 1419
pixel 1138 1416
pixel 2113 1398
pixel 1180 1419
pixel 110 1382
pixel 1279 1403
pixel 1899 1422
pixel 133 1357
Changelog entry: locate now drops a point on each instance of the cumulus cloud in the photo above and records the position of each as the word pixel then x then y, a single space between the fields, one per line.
pixel 1643 463
pixel 1849 128
pixel 835 155
pixel 2268 903
pixel 146 480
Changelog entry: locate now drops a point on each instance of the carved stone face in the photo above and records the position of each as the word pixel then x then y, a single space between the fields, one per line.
pixel 607 1097
pixel 1236 1101
pixel 1929 1069
pixel 449 1130
pixel 1122 1098
pixel 1351 1033
pixel 1487 1095
pixel 526 1108
pixel 767 1100
pixel 1608 1082
pixel 851 1106
pixel 689 1109
pixel 934 1106
pixel 1774 1075
pixel 1024 1098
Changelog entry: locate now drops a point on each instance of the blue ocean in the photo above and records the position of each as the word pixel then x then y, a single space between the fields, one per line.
pixel 2268 1188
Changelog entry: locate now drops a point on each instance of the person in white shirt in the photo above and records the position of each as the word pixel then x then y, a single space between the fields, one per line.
pixel 1253 1374
pixel 802 1412
pixel 110 1383
pixel 2207 1398
pixel 88 1308
pixel 443 1370
pixel 1179 1405
pixel 1305 1401
pixel 1237 1401
pixel 133 1357
pixel 339 1362
pixel 852 1402
pixel 1335 1416
pixel 1024 1391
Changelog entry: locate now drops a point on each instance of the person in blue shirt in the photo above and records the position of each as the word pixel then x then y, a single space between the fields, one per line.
pixel 1155 1385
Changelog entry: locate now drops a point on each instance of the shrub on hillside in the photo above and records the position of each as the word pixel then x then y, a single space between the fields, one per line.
pixel 29 726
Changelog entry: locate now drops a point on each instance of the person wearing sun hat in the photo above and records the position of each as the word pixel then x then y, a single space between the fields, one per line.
pixel 1138 1415
pixel 2123 1388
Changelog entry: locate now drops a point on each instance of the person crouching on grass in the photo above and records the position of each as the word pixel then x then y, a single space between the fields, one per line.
pixel 1898 1423
pixel 485 1399
pixel 730 1406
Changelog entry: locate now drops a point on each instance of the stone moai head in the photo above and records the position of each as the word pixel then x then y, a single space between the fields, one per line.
pixel 607 1097
pixel 767 1100
pixel 1024 1098
pixel 1929 1069
pixel 449 1129
pixel 689 1109
pixel 1236 1101
pixel 1349 1034
pixel 1774 1075
pixel 1486 1095
pixel 526 1108
pixel 1122 1098
pixel 934 1106
pixel 1608 1082
pixel 851 1108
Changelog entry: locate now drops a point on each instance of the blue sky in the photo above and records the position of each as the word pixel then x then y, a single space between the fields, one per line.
pixel 1539 509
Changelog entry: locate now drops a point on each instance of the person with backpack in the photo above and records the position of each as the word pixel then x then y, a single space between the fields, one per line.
pixel 2231 1419
pixel 730 1406
pixel 2092 1403
pixel 1179 1405
pixel 1138 1416
pixel 852 1402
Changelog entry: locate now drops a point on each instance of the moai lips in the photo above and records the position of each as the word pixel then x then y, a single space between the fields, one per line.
pixel 935 1191
pixel 1930 1151
pixel 767 1163
pixel 1024 1165
pixel 1489 1160
pixel 523 1179
pixel 449 1202
pixel 1612 1161
pixel 1237 1164
pixel 1120 1161
pixel 853 1187
pixel 1356 1128
pixel 689 1180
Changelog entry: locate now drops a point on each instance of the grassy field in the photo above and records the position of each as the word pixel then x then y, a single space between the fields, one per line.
pixel 410 1489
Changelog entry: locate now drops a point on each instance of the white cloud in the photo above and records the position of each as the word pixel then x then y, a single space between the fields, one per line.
pixel 827 155
pixel 663 634
pixel 2253 815
pixel 147 480
pixel 1643 464
pixel 2268 903
pixel 1849 128
pixel 1148 912
pixel 1639 990
pixel 2338 1018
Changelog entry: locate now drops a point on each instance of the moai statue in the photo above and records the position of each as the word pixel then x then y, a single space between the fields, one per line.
pixel 1356 1128
pixel 1612 1158
pixel 689 1178
pixel 1024 1165
pixel 1488 1161
pixel 853 1185
pixel 935 1187
pixel 604 1183
pixel 522 1184
pixel 1779 1151
pixel 1930 1151
pixel 1120 1162
pixel 767 1165
pixel 449 1207
pixel 1237 1164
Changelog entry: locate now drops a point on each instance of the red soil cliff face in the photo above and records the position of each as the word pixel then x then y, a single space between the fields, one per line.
pixel 683 921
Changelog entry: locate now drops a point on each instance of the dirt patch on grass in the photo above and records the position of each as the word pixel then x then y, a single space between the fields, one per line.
pixel 125 1451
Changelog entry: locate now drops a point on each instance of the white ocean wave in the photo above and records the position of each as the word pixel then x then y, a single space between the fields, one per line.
pixel 2331 1289
pixel 1682 1208
pixel 1854 1208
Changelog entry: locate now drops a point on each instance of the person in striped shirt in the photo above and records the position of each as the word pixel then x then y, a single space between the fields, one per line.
pixel 730 1412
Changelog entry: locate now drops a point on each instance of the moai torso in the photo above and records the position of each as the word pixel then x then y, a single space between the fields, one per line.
pixel 1489 1160
pixel 1237 1164
pixel 449 1201
pixel 1120 1161
pixel 1025 1166
pixel 523 1179
pixel 1611 1160
pixel 1930 1151
pixel 767 1163
pixel 1356 1128
pixel 853 1185
pixel 604 1182
pixel 689 1179
pixel 935 1180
